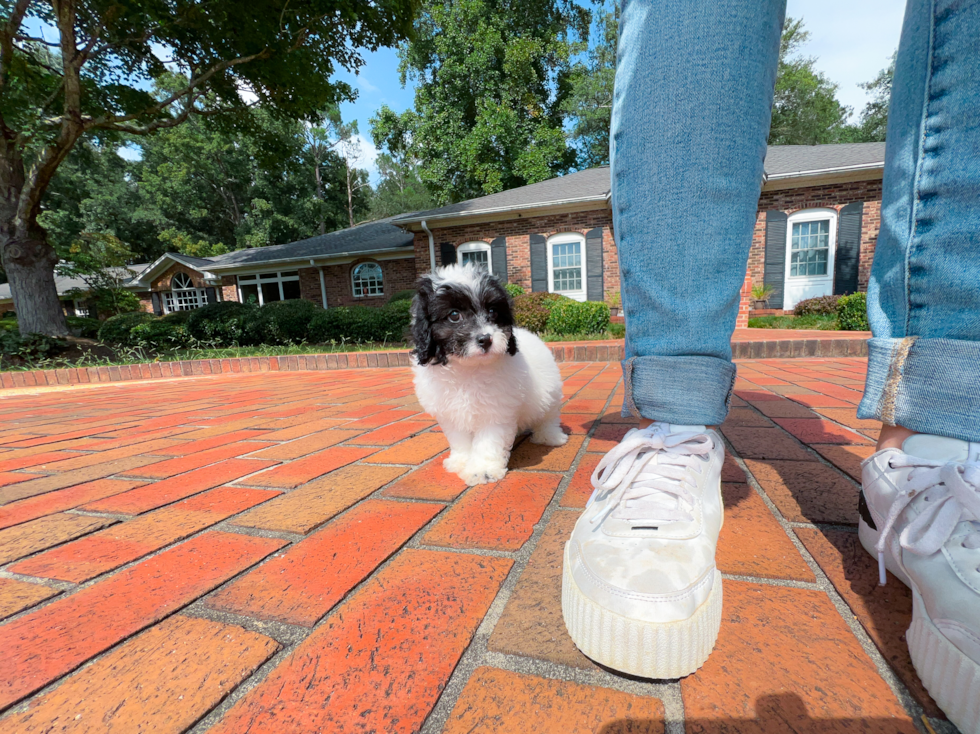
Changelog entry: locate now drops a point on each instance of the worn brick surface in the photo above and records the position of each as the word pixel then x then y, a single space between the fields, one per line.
pixel 306 445
pixel 765 443
pixel 413 451
pixel 303 583
pixel 22 540
pixel 63 499
pixel 580 488
pixel 304 509
pixel 786 661
pixel 383 658
pixel 846 458
pixel 431 482
pixel 309 467
pixel 813 430
pixel 501 702
pixel 43 645
pixel 499 516
pixel 135 688
pixel 884 611
pixel 16 596
pixel 533 456
pixel 182 464
pixel 44 484
pixel 807 491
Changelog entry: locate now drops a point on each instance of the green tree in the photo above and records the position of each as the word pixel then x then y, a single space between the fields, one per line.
pixel 400 189
pixel 589 104
pixel 100 261
pixel 94 78
pixel 873 123
pixel 805 109
pixel 491 78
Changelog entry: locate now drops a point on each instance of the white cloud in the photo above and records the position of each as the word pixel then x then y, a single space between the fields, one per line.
pixel 364 85
pixel 368 157
pixel 852 41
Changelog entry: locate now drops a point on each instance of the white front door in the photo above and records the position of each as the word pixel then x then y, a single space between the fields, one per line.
pixel 811 240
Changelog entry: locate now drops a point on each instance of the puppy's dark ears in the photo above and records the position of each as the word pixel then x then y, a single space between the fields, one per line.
pixel 426 350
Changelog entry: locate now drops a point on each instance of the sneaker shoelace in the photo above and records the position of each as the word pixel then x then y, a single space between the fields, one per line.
pixel 648 474
pixel 954 495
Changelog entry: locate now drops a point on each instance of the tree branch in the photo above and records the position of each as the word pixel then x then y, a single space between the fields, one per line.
pixel 7 34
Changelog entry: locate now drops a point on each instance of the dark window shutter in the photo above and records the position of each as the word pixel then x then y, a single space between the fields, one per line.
pixel 775 271
pixel 211 295
pixel 593 265
pixel 498 258
pixel 448 253
pixel 539 263
pixel 157 304
pixel 848 255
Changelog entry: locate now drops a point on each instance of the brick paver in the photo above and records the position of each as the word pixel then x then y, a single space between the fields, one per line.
pixel 283 552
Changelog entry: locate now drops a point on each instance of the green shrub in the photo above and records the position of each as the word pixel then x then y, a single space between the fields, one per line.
pixel 160 335
pixel 178 317
pixel 618 331
pixel 819 306
pixel 116 329
pixel 514 289
pixel 84 327
pixel 531 310
pixel 220 324
pixel 281 322
pixel 31 347
pixel 573 317
pixel 361 323
pixel 10 314
pixel 405 295
pixel 852 312
pixel 9 325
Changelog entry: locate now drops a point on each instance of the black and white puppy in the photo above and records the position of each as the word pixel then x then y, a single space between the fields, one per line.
pixel 484 379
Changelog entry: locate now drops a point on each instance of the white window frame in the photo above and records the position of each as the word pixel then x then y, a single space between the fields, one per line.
pixel 814 282
pixel 565 238
pixel 260 279
pixel 184 296
pixel 353 282
pixel 475 247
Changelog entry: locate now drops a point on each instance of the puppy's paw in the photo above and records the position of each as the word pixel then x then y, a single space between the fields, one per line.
pixel 483 472
pixel 550 436
pixel 455 463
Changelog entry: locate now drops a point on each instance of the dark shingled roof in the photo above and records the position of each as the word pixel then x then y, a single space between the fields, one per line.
pixel 782 161
pixel 369 237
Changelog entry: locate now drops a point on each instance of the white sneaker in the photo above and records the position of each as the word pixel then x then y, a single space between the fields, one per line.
pixel 640 591
pixel 920 515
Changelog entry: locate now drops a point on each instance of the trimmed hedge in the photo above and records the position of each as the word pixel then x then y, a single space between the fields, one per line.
pixel 362 323
pixel 84 327
pixel 222 324
pixel 574 317
pixel 820 306
pixel 117 330
pixel 852 312
pixel 281 322
pixel 406 295
pixel 161 334
pixel 514 289
pixel 531 310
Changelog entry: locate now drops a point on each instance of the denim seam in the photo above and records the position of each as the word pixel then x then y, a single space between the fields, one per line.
pixel 628 378
pixel 920 161
pixel 896 369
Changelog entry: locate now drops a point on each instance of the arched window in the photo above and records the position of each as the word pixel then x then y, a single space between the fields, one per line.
pixel 183 296
pixel 368 280
pixel 811 241
pixel 477 253
pixel 566 265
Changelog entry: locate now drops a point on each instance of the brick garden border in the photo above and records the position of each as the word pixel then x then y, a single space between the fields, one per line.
pixel 611 351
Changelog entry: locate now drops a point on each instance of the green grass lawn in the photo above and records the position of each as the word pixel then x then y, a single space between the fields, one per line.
pixel 813 321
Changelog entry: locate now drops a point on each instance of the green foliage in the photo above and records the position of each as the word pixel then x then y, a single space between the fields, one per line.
pixel 874 117
pixel 29 348
pixel 221 323
pixel 490 81
pixel 852 312
pixel 589 103
pixel 281 322
pixel 99 259
pixel 762 292
pixel 617 331
pixel 531 310
pixel 361 324
pixel 515 289
pixel 812 321
pixel 821 305
pixel 400 189
pixel 117 330
pixel 406 295
pixel 84 327
pixel 160 335
pixel 805 109
pixel 574 317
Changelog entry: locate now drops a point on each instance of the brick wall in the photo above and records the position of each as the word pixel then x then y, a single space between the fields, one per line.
pixel 831 196
pixel 398 275
pixel 229 288
pixel 518 232
pixel 162 281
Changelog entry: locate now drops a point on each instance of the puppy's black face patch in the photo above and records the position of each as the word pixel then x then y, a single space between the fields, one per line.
pixel 464 315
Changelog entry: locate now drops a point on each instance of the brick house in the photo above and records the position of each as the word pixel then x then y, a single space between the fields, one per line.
pixel 818 219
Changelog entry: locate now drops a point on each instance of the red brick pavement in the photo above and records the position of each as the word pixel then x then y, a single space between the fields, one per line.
pixel 283 552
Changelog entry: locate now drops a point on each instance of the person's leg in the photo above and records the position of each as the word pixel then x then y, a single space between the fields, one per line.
pixel 920 498
pixel 694 85
pixel 924 291
pixel 691 113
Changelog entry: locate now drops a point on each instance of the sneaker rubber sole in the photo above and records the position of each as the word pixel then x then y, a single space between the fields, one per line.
pixel 952 678
pixel 645 649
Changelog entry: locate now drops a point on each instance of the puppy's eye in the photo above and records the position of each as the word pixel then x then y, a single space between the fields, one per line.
pixel 493 312
pixel 455 316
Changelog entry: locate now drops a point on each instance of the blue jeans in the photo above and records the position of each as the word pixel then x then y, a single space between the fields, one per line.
pixel 691 112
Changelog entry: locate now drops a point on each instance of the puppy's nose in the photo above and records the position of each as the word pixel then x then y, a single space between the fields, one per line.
pixel 484 340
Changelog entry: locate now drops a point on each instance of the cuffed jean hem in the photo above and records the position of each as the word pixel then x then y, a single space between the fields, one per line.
pixel 683 390
pixel 926 385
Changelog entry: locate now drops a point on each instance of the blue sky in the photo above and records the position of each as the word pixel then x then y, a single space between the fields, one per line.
pixel 851 40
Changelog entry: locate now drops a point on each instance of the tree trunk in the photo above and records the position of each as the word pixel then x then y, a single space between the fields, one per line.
pixel 29 262
pixel 319 196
